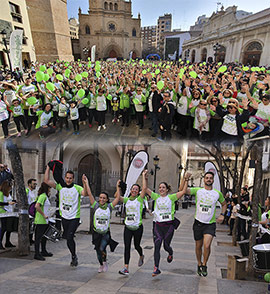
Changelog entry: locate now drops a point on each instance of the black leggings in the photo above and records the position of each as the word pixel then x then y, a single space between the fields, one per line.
pixel 70 226
pixel 39 232
pixel 140 118
pixel 18 121
pixel 4 230
pixel 5 126
pixel 101 117
pixel 31 120
pixel 91 115
pixel 63 120
pixel 162 232
pixel 75 123
pixel 128 234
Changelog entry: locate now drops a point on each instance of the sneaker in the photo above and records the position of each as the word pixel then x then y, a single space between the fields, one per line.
pixel 160 139
pixel 9 245
pixel 74 261
pixel 124 272
pixel 78 133
pixel 199 270
pixel 156 272
pixel 46 254
pixel 25 132
pixel 19 134
pixel 90 126
pixel 39 257
pixel 84 123
pixel 2 247
pixel 74 133
pixel 100 269
pixel 99 128
pixel 154 135
pixel 104 127
pixel 41 137
pixel 170 258
pixel 204 270
pixel 105 266
pixel 141 260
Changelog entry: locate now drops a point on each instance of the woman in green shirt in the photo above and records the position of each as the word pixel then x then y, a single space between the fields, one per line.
pixel 41 221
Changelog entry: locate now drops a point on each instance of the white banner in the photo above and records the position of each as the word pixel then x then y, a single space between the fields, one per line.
pixel 209 166
pixel 93 53
pixel 135 168
pixel 15 44
pixel 130 54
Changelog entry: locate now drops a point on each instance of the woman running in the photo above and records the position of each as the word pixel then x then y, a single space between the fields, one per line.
pixel 165 223
pixel 102 215
pixel 133 225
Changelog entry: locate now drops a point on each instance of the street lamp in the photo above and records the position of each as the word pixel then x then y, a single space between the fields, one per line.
pixel 85 52
pixel 180 168
pixel 4 38
pixel 187 54
pixel 237 151
pixel 156 161
pixel 216 48
pixel 228 165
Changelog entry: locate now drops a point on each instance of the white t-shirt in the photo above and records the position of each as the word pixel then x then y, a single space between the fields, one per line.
pixel 203 118
pixel 263 111
pixel 182 105
pixel 74 113
pixel 229 124
pixel 150 105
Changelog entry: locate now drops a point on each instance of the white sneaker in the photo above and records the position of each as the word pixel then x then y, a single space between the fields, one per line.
pixel 104 127
pixel 99 128
pixel 19 134
pixel 100 270
pixel 105 266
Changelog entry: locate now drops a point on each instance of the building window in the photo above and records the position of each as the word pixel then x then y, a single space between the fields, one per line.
pixel 254 46
pixel 106 5
pixel 115 6
pixel 24 39
pixel 15 12
pixel 87 30
pixel 134 33
pixel 111 6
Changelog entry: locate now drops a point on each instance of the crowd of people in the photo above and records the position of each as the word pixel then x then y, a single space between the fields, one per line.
pixel 210 102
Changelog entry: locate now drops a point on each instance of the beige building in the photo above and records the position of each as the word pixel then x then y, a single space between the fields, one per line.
pixel 50 29
pixel 164 24
pixel 110 26
pixel 239 35
pixel 149 35
pixel 14 16
pixel 73 28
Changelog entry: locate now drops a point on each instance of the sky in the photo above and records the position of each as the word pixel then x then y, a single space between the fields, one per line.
pixel 184 12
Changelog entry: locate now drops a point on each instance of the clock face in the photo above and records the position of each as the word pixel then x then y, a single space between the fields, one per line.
pixel 111 27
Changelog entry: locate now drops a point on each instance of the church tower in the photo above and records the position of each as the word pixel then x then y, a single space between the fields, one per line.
pixel 50 29
pixel 110 26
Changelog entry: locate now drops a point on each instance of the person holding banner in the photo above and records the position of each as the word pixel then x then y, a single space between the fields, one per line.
pixel 204 227
pixel 165 223
pixel 102 215
pixel 133 225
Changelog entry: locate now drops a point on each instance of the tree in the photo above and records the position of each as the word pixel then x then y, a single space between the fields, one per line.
pixel 23 228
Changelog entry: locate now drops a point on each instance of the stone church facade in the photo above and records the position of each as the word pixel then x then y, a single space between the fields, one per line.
pixel 245 39
pixel 110 26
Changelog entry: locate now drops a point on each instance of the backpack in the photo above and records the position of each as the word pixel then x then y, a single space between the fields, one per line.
pixel 32 209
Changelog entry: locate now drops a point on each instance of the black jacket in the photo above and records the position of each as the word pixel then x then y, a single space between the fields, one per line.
pixel 166 115
pixel 156 101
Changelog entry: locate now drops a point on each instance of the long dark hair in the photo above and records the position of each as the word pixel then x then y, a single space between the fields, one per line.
pixel 167 186
pixel 44 188
pixel 5 188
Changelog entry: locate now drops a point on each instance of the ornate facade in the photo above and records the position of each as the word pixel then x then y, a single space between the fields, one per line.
pixel 242 37
pixel 109 25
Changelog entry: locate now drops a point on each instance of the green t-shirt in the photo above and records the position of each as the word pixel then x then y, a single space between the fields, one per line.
pixel 102 216
pixel 2 210
pixel 206 201
pixel 44 205
pixel 134 208
pixel 164 208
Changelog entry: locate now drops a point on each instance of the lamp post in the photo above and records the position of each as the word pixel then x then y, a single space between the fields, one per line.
pixel 237 151
pixel 180 168
pixel 156 161
pixel 85 52
pixel 216 48
pixel 228 165
pixel 187 54
pixel 4 38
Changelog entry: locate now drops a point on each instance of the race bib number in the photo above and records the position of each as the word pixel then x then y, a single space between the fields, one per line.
pixel 166 216
pixel 102 222
pixel 130 218
pixel 205 209
pixel 66 207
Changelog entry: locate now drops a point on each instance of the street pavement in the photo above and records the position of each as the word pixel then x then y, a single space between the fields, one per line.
pixel 26 275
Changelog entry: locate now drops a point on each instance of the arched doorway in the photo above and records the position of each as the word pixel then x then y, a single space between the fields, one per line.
pixel 112 54
pixel 221 54
pixel 193 54
pixel 204 55
pixel 90 165
pixel 252 54
pixel 134 55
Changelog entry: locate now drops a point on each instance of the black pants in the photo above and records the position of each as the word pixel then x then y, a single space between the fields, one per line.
pixel 63 120
pixel 242 229
pixel 166 134
pixel 18 121
pixel 39 232
pixel 91 115
pixel 75 123
pixel 70 226
pixel 4 230
pixel 125 116
pixel 128 234
pixel 5 126
pixel 31 120
pixel 55 117
pixel 140 118
pixel 232 221
pixel 182 124
pixel 46 131
pixel 82 113
pixel 25 111
pixel 101 117
pixel 162 233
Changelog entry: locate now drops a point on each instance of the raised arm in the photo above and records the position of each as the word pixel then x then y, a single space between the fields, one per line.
pixel 87 190
pixel 117 194
pixel 47 178
pixel 145 183
pixel 183 186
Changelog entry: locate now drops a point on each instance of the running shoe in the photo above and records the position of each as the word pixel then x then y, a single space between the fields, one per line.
pixel 74 261
pixel 99 128
pixel 105 266
pixel 104 127
pixel 124 271
pixel 156 272
pixel 204 270
pixel 199 270
pixel 141 260
pixel 170 258
pixel 100 270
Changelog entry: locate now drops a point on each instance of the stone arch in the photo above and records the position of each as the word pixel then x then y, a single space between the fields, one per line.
pixel 111 6
pixel 115 6
pixel 134 33
pixel 252 53
pixel 87 30
pixel 106 5
pixel 112 51
pixel 193 56
pixel 221 54
pixel 204 54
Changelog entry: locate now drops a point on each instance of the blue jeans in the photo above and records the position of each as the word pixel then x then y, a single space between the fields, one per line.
pixel 154 118
pixel 101 250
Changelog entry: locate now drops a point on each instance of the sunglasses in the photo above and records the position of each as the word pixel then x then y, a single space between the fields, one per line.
pixel 214 101
pixel 204 104
pixel 230 107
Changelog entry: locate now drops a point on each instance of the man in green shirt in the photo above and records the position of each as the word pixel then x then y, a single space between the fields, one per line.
pixel 204 227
